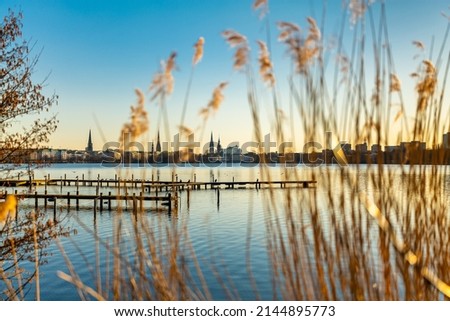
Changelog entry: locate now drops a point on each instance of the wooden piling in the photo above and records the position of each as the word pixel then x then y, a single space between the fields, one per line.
pixel 54 209
pixel 17 206
pixel 188 196
pixel 218 198
pixel 170 203
pixel 134 204
pixel 109 201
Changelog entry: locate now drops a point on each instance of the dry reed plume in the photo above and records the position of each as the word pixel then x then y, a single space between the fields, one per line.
pixel 262 6
pixel 215 102
pixel 426 85
pixel 238 41
pixel 265 64
pixel 163 82
pixel 303 50
pixel 139 119
pixel 198 54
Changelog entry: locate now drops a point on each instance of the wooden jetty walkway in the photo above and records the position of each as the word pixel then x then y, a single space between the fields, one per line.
pixel 99 200
pixel 148 185
pixel 169 199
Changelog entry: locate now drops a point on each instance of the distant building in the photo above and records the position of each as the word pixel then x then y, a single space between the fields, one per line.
pixel 60 155
pixel 416 145
pixel 375 149
pixel 90 147
pixel 346 147
pixel 413 145
pixel 404 146
pixel 446 141
pixel 232 154
pixel 391 149
pixel 361 148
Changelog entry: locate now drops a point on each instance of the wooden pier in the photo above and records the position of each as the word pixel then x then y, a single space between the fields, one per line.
pixel 152 184
pixel 164 192
pixel 100 201
pixel 162 185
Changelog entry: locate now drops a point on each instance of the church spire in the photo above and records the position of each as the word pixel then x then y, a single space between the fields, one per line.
pixel 219 146
pixel 211 145
pixel 90 147
pixel 158 145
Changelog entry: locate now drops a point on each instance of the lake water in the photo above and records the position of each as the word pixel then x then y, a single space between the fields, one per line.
pixel 227 229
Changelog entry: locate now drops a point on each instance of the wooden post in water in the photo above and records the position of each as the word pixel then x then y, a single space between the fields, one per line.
pixel 68 200
pixel 82 177
pixel 77 201
pixel 115 179
pixel 141 202
pixel 54 209
pixel 109 201
pixel 170 203
pixel 126 199
pixel 17 206
pixel 95 208
pixel 45 199
pixel 65 179
pixel 188 196
pixel 134 205
pixel 35 201
pixel 101 202
pixel 218 198
pixel 175 200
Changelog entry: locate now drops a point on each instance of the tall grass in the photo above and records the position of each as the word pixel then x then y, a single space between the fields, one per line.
pixel 367 232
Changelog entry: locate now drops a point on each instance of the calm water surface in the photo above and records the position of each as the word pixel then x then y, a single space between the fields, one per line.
pixel 224 228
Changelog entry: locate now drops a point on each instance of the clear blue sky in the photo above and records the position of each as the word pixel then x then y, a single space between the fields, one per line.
pixel 98 52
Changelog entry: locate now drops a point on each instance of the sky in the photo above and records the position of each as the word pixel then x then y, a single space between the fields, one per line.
pixel 96 53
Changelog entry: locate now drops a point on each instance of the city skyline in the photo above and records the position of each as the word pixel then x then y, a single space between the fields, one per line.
pixel 266 146
pixel 111 50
